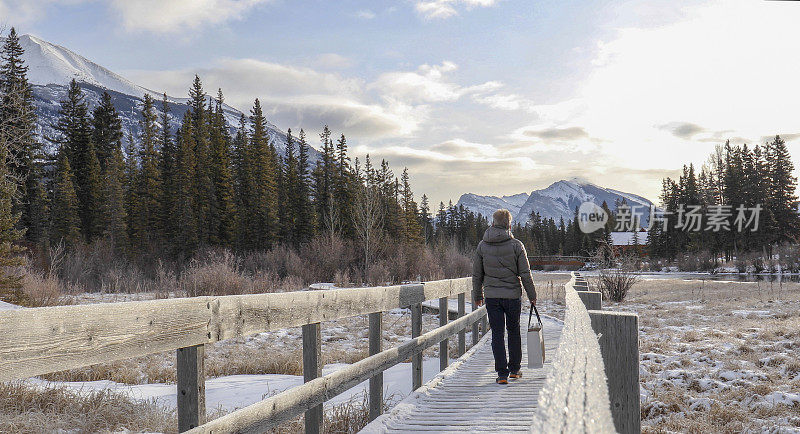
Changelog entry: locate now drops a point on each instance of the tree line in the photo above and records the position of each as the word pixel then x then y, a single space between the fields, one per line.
pixel 171 193
pixel 734 176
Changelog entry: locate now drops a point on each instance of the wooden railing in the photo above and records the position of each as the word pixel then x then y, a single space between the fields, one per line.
pixel 594 385
pixel 44 340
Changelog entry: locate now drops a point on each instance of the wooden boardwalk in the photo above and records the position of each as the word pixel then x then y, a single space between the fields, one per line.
pixel 465 398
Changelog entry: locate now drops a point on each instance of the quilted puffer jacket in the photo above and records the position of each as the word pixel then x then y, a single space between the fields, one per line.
pixel 501 268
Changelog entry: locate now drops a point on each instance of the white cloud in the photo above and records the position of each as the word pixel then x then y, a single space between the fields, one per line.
pixel 442 9
pixel 662 96
pixel 333 61
pixel 508 102
pixel 175 16
pixel 158 16
pixel 428 84
pixel 365 14
pixel 16 12
pixel 295 96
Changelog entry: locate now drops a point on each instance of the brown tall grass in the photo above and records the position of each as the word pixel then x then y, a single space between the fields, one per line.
pixel 25 408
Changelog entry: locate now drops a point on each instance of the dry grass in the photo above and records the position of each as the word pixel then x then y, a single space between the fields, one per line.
pixel 712 352
pixel 345 418
pixel 25 408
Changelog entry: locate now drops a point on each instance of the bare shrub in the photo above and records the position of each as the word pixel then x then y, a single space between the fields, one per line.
pixel 614 283
pixel 378 274
pixel 454 262
pixel 697 261
pixel 41 290
pixel 217 275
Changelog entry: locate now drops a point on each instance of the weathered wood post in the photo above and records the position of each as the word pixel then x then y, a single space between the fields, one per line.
pixel 619 344
pixel 593 300
pixel 416 359
pixel 462 335
pixel 312 368
pixel 484 325
pixel 444 313
pixel 376 382
pixel 475 335
pixel 191 387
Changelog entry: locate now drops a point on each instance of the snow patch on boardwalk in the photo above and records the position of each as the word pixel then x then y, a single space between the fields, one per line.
pixel 464 397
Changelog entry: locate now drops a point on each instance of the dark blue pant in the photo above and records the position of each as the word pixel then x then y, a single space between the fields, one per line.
pixel 504 314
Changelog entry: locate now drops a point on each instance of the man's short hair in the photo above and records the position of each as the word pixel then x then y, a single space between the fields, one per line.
pixel 502 218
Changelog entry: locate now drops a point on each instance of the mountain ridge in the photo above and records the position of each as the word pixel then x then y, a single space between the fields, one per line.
pixel 51 67
pixel 558 200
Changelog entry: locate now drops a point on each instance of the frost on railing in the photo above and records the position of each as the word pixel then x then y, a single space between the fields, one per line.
pixel 575 397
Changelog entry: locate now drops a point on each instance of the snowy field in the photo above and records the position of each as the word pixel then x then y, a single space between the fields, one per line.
pixel 718 356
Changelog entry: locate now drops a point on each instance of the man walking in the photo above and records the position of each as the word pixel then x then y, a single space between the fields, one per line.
pixel 499 272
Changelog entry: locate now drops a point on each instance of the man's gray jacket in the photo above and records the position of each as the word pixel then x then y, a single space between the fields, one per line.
pixel 501 267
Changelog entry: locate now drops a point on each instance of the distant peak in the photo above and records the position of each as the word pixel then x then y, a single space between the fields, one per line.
pixel 580 180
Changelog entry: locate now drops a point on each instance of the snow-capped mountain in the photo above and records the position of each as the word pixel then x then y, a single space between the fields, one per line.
pixel 556 201
pixel 486 205
pixel 51 67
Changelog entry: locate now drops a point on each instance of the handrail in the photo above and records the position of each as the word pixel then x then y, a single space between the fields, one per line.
pixel 42 340
pixel 575 395
pixel 266 414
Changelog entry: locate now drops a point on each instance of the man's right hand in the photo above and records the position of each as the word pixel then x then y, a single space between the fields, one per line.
pixel 479 302
pixel 533 302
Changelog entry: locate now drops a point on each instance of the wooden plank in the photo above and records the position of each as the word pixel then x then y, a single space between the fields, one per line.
pixel 376 381
pixel 462 335
pixel 263 415
pixel 48 339
pixel 444 310
pixel 312 369
pixel 191 397
pixel 42 340
pixel 618 335
pixel 416 359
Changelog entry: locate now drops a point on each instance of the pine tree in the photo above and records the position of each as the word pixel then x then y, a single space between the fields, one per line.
pixel 343 186
pixel 261 215
pixel 221 175
pixel 323 184
pixel 243 183
pixel 106 129
pixel 114 217
pixel 18 121
pixel 184 213
pixel 91 217
pixel 147 218
pixel 75 139
pixel 131 183
pixel 781 186
pixel 167 168
pixel 288 199
pixel 65 210
pixel 411 228
pixel 205 201
pixel 305 211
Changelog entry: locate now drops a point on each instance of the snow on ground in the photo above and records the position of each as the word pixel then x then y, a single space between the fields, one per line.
pixel 237 391
pixel 717 356
pixel 8 306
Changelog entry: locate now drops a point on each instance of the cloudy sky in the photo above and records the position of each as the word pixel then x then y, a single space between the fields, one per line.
pixel 482 96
